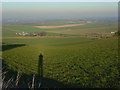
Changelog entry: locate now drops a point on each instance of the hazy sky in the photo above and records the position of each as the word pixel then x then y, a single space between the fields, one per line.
pixel 59 0
pixel 59 10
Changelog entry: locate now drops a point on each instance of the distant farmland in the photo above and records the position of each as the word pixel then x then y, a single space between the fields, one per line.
pixel 87 28
pixel 66 60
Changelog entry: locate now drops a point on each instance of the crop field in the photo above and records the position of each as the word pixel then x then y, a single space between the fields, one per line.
pixel 79 62
pixel 83 29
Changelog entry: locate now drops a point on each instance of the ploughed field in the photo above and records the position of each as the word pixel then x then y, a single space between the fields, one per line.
pixel 61 28
pixel 67 62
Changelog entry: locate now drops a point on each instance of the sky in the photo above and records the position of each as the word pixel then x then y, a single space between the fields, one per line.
pixel 60 0
pixel 58 10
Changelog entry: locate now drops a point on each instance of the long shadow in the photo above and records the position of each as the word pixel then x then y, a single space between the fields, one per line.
pixel 26 80
pixel 40 72
pixel 10 46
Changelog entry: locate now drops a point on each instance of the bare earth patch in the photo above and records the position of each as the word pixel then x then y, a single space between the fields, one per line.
pixel 72 25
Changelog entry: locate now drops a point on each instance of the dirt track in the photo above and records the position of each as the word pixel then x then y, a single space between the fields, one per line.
pixel 46 37
pixel 72 25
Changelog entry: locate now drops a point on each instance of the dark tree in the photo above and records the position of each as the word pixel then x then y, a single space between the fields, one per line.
pixel 42 34
pixel 117 33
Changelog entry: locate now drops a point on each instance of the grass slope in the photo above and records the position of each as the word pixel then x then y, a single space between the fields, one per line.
pixel 78 62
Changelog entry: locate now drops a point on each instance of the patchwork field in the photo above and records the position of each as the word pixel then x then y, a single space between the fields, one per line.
pixel 64 62
pixel 87 28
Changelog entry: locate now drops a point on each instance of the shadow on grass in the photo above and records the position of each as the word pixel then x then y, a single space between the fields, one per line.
pixel 10 46
pixel 18 79
pixel 26 81
pixel 40 71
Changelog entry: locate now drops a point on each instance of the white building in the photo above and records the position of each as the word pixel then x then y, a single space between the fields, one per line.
pixel 112 32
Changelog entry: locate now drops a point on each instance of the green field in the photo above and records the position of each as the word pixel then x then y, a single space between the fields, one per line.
pixel 67 62
pixel 88 28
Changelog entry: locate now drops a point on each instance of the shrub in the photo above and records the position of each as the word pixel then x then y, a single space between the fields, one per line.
pixel 117 33
pixel 42 34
